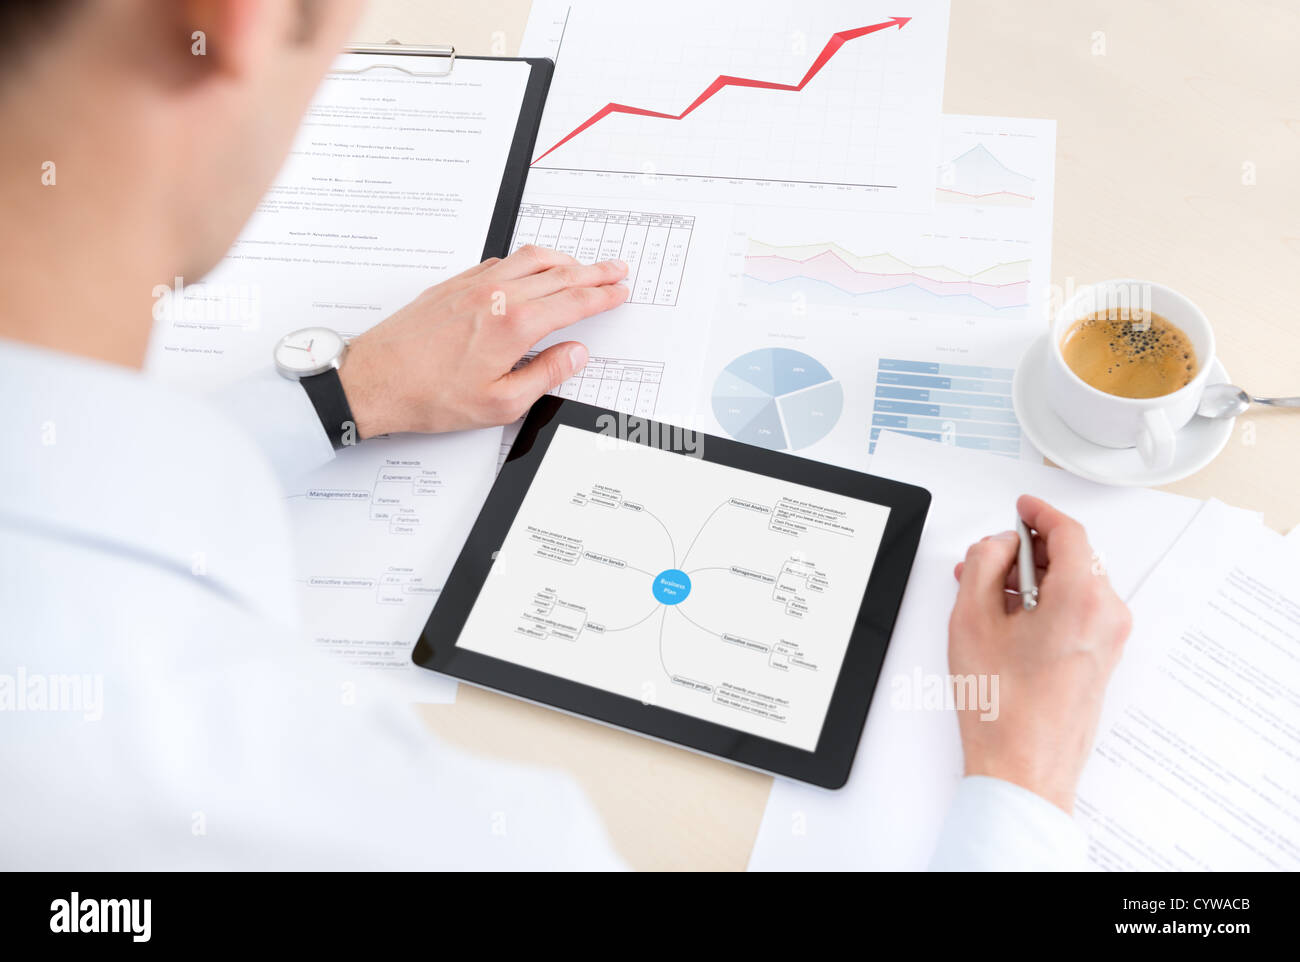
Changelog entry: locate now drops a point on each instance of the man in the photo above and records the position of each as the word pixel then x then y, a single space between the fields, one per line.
pixel 217 740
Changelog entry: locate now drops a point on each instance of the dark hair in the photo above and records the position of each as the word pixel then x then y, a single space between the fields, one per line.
pixel 23 22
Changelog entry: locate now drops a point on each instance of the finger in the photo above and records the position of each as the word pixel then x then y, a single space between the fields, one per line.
pixel 983 573
pixel 1010 589
pixel 1065 540
pixel 560 278
pixel 547 371
pixel 525 262
pixel 549 314
pixel 1040 560
pixel 1013 576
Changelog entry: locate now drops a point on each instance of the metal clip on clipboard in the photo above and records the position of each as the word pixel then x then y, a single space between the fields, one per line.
pixel 394 55
pixel 396 47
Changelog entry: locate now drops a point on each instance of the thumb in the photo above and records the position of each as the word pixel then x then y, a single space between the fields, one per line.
pixel 983 575
pixel 547 371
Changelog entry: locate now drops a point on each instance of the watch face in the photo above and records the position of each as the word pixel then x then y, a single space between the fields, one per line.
pixel 309 351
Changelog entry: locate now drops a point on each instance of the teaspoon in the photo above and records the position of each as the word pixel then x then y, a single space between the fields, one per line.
pixel 1228 400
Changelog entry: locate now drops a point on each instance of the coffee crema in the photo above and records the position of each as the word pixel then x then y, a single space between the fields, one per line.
pixel 1142 358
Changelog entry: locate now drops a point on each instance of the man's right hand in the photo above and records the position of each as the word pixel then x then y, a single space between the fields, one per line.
pixel 1052 663
pixel 445 361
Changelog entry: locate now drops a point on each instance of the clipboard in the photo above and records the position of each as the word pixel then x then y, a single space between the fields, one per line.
pixel 439 60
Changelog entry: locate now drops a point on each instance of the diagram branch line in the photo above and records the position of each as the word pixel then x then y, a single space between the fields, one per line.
pixel 715 634
pixel 634 624
pixel 671 547
pixel 662 663
pixel 701 531
pixel 832 46
pixel 628 567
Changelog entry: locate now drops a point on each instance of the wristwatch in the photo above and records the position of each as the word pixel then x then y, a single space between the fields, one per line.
pixel 312 357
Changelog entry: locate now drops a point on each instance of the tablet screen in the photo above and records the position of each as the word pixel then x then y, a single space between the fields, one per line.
pixel 701 588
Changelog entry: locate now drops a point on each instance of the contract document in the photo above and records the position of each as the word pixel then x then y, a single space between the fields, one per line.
pixel 1197 760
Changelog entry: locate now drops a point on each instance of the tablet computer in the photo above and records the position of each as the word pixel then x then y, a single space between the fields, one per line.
pixel 723 597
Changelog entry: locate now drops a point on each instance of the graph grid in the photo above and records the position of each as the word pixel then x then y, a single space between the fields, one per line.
pixel 831 274
pixel 613 382
pixel 654 246
pixel 959 404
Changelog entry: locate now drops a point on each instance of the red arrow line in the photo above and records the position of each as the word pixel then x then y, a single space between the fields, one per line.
pixel 836 41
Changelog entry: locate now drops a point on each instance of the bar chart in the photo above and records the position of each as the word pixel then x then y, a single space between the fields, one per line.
pixel 960 404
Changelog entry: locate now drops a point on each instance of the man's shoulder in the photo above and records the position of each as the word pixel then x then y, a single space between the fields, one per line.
pixel 104 455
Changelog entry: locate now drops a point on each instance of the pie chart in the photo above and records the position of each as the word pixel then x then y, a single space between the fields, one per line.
pixel 777 398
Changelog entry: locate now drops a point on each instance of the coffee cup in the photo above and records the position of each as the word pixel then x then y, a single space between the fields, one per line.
pixel 1148 423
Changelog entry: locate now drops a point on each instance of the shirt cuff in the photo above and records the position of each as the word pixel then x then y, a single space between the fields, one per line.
pixel 995 826
pixel 280 417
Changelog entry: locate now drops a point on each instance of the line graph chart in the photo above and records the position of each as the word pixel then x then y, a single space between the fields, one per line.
pixel 993 162
pixel 978 177
pixel 836 41
pixel 829 273
pixel 821 104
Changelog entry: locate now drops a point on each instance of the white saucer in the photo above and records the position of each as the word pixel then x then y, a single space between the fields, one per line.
pixel 1196 445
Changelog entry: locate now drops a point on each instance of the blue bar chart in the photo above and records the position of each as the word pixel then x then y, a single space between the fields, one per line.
pixel 965 405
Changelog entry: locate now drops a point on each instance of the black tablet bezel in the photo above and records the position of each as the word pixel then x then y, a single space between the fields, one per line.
pixel 828 765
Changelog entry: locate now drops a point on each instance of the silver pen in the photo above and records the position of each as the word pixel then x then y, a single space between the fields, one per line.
pixel 1025 563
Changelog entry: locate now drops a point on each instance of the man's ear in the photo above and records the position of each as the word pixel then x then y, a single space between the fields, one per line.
pixel 233 37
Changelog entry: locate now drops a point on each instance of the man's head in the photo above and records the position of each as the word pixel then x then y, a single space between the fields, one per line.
pixel 165 121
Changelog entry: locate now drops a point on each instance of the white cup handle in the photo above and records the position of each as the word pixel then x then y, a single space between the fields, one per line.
pixel 1155 441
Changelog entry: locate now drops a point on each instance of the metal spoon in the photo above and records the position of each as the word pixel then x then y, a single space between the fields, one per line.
pixel 1228 400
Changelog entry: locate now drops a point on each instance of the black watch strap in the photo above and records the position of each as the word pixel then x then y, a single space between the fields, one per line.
pixel 326 393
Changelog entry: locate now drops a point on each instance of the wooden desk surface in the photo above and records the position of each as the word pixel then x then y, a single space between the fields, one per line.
pixel 1178 160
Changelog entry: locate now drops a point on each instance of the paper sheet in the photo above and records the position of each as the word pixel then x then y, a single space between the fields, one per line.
pixel 1197 762
pixel 816 105
pixel 389 189
pixel 909 760
pixel 912 322
pixel 377 531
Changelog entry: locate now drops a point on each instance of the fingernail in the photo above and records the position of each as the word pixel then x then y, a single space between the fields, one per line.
pixel 578 357
pixel 619 265
pixel 1005 536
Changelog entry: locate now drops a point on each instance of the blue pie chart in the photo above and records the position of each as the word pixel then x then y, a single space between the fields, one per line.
pixel 777 398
